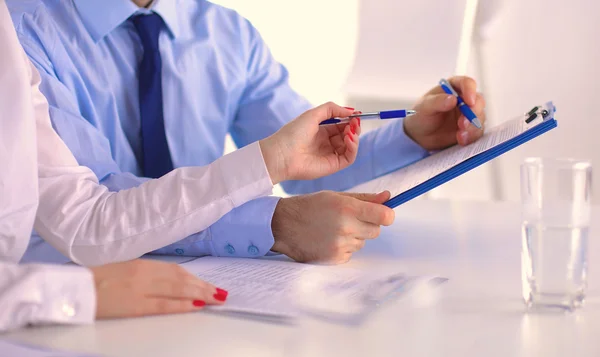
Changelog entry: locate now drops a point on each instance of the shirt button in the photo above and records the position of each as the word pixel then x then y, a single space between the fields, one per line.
pixel 253 250
pixel 68 309
pixel 229 249
pixel 179 251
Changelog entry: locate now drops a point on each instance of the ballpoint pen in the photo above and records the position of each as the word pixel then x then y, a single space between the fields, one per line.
pixel 389 114
pixel 462 106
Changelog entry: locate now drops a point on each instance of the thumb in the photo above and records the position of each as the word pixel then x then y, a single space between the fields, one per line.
pixel 329 110
pixel 378 198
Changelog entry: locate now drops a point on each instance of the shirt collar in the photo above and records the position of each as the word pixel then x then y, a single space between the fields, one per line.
pixel 167 9
pixel 101 17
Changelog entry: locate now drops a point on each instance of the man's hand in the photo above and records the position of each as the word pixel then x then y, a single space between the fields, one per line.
pixel 439 124
pixel 328 226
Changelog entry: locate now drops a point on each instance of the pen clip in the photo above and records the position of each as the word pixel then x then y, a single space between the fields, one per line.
pixel 446 85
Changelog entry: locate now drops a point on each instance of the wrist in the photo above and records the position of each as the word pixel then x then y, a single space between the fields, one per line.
pixel 408 128
pixel 274 159
pixel 285 213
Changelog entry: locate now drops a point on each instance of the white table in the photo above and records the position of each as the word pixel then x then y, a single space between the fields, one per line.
pixel 477 313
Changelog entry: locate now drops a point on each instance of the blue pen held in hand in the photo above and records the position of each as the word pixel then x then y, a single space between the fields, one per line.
pixel 390 114
pixel 462 106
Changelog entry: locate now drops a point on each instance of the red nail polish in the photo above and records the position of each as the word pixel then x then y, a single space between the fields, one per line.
pixel 349 108
pixel 221 295
pixel 350 136
pixel 358 121
pixel 352 129
pixel 199 303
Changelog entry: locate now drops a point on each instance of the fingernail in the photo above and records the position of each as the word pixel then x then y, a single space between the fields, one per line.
pixel 350 136
pixel 465 136
pixel 349 108
pixel 221 295
pixel 473 99
pixel 352 129
pixel 199 303
pixel 466 122
pixel 358 121
pixel 449 99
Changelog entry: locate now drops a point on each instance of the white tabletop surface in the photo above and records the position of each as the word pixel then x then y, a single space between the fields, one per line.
pixel 478 312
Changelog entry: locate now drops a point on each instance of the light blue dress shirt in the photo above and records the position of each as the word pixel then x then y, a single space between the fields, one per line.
pixel 218 77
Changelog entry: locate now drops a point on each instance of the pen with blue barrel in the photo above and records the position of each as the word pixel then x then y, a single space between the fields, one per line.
pixel 389 114
pixel 462 106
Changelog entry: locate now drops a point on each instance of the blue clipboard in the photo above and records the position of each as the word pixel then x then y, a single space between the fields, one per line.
pixel 548 123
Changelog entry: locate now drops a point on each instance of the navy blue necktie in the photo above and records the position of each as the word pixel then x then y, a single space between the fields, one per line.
pixel 156 156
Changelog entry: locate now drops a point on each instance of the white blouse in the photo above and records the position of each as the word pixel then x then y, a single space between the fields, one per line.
pixel 81 218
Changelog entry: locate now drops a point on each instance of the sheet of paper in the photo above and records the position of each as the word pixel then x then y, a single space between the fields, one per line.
pixel 254 286
pixel 284 289
pixel 8 348
pixel 412 175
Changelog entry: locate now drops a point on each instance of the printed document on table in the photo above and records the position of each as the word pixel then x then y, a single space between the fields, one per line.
pixel 284 289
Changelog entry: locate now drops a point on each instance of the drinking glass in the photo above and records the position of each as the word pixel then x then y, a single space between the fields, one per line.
pixel 556 201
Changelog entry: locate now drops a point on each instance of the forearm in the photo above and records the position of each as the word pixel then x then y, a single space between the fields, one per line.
pixel 243 232
pixel 95 226
pixel 43 294
pixel 381 151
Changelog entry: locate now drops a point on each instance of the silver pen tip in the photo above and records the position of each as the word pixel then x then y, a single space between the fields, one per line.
pixel 411 112
pixel 477 123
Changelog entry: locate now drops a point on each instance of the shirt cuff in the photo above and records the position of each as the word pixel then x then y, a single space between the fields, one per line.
pixel 393 149
pixel 196 245
pixel 68 295
pixel 251 183
pixel 246 231
pixel 243 232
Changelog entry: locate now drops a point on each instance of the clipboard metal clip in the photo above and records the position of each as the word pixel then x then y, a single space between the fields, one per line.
pixel 535 112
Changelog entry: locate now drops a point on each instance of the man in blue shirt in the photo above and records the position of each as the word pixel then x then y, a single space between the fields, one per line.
pixel 139 87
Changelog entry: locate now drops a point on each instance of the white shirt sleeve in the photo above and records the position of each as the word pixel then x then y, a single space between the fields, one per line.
pixel 44 294
pixel 18 170
pixel 29 294
pixel 93 226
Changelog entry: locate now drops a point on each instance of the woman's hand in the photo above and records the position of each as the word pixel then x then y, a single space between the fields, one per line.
pixel 145 287
pixel 304 150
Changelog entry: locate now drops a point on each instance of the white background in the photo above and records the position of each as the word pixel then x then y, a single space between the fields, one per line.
pixel 379 54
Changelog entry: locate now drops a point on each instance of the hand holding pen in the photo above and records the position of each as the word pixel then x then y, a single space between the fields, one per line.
pixel 440 122
pixel 304 150
pixel 450 113
pixel 462 106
